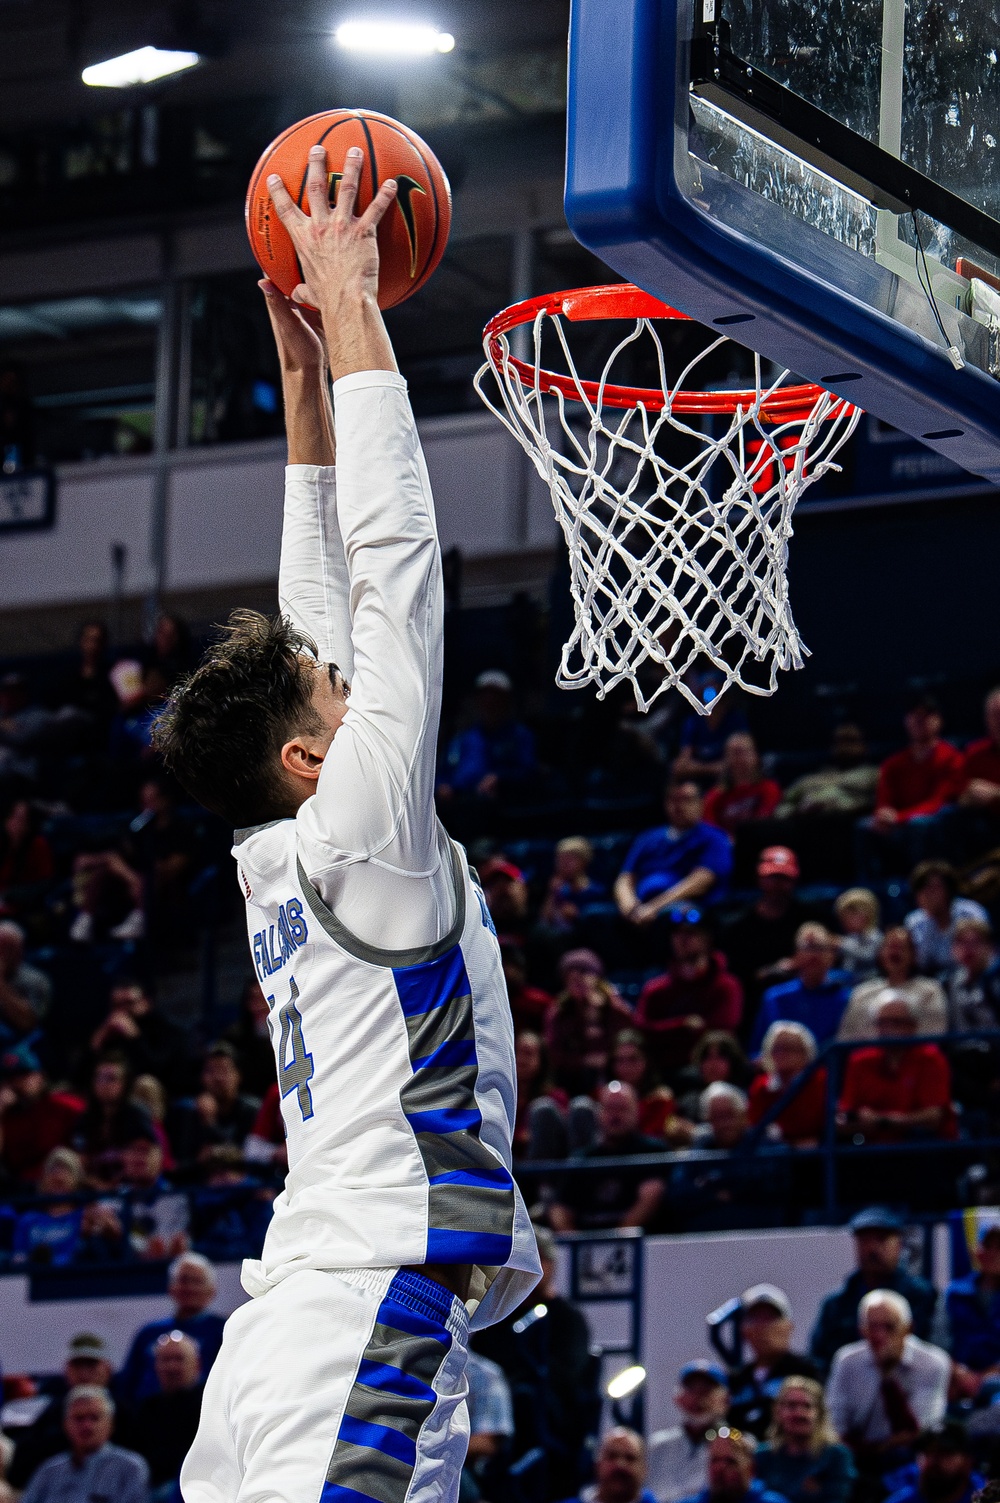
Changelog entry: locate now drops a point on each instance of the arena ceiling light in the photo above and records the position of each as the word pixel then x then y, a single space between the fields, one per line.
pixel 393 38
pixel 143 66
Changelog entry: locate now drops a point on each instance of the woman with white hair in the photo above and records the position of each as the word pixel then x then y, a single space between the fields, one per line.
pixel 788 1049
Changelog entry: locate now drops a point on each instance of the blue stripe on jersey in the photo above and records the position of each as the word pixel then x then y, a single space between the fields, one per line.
pixel 454 1052
pixel 487 1248
pixel 393 1380
pixel 488 1177
pixel 334 1492
pixel 377 1443
pixel 470 1191
pixel 412 1322
pixel 445 1120
pixel 378 1438
pixel 422 988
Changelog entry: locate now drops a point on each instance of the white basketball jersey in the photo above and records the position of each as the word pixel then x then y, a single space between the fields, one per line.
pixel 396 1073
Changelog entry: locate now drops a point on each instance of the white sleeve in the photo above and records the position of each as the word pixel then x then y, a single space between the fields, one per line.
pixel 375 796
pixel 313 583
pixel 837 1398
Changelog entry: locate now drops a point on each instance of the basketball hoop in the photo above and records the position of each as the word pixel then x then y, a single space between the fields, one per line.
pixel 677 535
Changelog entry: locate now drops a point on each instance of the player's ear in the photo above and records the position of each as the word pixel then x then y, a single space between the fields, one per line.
pixel 301 757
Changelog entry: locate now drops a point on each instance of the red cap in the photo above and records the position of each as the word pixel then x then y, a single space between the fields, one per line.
pixel 499 866
pixel 777 861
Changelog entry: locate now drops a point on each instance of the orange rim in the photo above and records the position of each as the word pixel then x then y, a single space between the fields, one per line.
pixel 624 300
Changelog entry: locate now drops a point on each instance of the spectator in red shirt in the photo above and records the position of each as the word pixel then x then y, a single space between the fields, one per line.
pixel 25 854
pixel 630 1063
pixel 583 1023
pixel 786 1051
pixel 742 794
pixel 33 1119
pixel 924 777
pixel 981 776
pixel 696 993
pixel 529 1005
pixel 897 1090
pixel 265 1142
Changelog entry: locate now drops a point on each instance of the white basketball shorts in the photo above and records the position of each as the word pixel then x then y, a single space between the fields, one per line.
pixel 344 1387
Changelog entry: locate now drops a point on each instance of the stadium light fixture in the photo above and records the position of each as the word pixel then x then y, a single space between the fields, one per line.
pixel 393 38
pixel 143 66
pixel 626 1382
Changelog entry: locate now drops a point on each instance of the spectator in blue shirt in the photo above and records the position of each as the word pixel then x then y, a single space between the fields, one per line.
pixel 679 864
pixel 945 1471
pixel 972 1304
pixel 818 995
pixel 51 1235
pixel 619 1470
pixel 731 1477
pixel 496 753
pixel 92 1468
pixel 192 1290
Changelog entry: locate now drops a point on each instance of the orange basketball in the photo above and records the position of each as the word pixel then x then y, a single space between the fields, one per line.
pixel 414 232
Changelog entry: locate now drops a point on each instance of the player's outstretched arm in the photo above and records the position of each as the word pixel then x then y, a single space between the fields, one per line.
pixel 375 794
pixel 305 386
pixel 338 253
pixel 313 582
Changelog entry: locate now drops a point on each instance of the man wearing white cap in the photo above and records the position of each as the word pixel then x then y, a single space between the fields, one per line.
pixel 766 1328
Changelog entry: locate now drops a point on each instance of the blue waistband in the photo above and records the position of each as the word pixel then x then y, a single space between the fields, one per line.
pixel 419 1293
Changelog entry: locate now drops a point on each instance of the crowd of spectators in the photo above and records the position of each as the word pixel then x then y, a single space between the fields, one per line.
pixel 659 1007
pixel 700 1004
pixel 894 1397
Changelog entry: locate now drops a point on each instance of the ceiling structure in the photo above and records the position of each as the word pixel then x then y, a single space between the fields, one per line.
pixel 508 61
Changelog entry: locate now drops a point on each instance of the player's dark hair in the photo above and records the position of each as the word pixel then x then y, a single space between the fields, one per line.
pixel 223 727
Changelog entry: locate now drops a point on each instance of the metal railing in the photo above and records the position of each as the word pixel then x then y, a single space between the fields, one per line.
pixel 830 1153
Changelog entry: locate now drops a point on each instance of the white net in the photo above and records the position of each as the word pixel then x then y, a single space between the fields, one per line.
pixel 677 525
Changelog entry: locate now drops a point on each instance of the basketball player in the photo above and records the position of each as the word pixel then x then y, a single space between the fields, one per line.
pixel 343 1378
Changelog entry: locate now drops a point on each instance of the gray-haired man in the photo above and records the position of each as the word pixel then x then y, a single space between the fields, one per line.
pixel 92 1468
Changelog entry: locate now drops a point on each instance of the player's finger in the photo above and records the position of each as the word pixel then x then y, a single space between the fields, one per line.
pixel 284 205
pixel 318 183
pixel 301 295
pixel 348 191
pixel 376 209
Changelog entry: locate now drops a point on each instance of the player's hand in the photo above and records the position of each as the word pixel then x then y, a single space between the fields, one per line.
pixel 298 332
pixel 337 249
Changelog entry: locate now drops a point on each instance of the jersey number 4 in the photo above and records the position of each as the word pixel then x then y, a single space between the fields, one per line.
pixel 294 1074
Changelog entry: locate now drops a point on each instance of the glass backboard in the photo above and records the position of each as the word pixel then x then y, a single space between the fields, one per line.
pixel 820 178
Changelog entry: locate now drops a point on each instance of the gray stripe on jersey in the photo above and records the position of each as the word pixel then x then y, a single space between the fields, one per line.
pixel 371 954
pixel 479 1208
pixel 371 1472
pixel 431 1089
pixel 239 836
pixel 413 1354
pixel 452 1023
pixel 377 1407
pixel 446 1153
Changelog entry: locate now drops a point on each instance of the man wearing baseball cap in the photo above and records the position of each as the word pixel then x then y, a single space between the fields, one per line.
pixel 764 934
pixel 678 1457
pixel 87 1365
pixel 878 1243
pixel 766 1329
